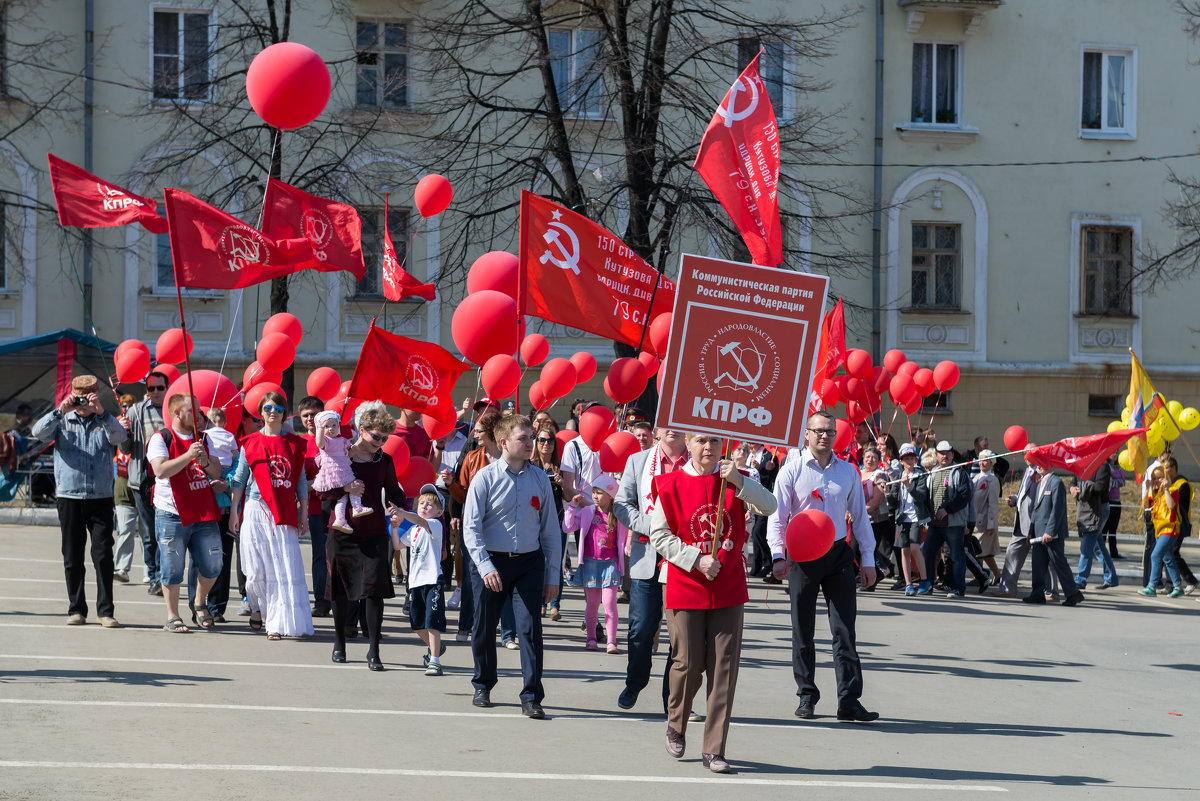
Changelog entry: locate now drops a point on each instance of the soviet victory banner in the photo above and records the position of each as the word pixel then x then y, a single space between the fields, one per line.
pixel 740 359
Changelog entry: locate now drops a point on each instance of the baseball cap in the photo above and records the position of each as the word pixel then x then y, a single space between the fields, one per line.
pixel 944 446
pixel 908 449
pixel 427 488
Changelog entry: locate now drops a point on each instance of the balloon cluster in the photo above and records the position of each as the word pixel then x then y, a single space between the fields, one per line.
pixel 1167 426
pixel 863 386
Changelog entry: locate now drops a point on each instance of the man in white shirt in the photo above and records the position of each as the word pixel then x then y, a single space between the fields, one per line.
pixel 816 479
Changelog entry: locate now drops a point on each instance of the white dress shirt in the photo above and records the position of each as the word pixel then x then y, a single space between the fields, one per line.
pixel 834 489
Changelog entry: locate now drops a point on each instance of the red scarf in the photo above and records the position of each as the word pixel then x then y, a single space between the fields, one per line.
pixel 190 487
pixel 689 505
pixel 276 464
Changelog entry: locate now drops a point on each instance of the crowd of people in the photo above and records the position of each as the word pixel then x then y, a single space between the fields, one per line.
pixel 675 536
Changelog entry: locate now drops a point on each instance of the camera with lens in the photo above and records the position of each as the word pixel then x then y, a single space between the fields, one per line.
pixel 78 400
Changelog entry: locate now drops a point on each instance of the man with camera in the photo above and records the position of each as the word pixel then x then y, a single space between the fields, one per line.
pixel 84 437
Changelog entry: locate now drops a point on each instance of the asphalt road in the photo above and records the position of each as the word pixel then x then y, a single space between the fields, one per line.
pixel 979 697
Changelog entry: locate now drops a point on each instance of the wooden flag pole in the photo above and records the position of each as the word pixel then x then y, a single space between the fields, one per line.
pixel 720 500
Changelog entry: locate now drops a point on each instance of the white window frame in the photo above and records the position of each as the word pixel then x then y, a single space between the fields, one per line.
pixel 568 104
pixel 785 113
pixel 181 9
pixel 381 50
pixel 959 94
pixel 1129 131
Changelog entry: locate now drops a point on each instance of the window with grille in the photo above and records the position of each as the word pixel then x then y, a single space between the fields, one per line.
pixel 382 64
pixel 936 265
pixel 1107 270
pixel 182 55
pixel 372 242
pixel 936 86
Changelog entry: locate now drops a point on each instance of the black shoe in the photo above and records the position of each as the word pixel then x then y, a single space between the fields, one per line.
pixel 374 664
pixel 805 708
pixel 856 713
pixel 627 698
pixel 900 584
pixel 1073 600
pixel 320 611
pixel 772 580
pixel 532 709
pixel 338 656
pixel 1034 599
pixel 155 588
pixel 482 698
pixel 1106 586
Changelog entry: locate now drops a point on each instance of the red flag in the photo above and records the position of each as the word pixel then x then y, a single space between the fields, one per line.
pixel 831 353
pixel 1081 455
pixel 580 275
pixel 333 229
pixel 88 201
pixel 406 373
pixel 739 160
pixel 215 250
pixel 397 282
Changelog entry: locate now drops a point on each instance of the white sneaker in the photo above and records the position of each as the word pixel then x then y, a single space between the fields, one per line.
pixel 462 636
pixel 1190 588
pixel 511 645
pixel 455 598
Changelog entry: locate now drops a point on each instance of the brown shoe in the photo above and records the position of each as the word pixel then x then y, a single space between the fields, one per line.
pixel 715 762
pixel 110 623
pixel 76 620
pixel 675 743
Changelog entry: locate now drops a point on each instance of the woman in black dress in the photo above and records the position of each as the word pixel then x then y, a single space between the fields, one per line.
pixel 359 563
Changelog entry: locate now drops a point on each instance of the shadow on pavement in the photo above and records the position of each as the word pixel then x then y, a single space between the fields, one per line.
pixel 924 774
pixel 50 675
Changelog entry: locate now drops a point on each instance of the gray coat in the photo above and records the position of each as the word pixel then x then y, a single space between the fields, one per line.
pixel 629 507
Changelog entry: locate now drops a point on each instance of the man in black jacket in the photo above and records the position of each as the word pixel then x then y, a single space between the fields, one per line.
pixel 1091 509
pixel 1048 530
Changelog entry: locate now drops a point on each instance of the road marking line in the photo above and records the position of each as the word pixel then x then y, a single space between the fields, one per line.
pixel 30 559
pixel 466 774
pixel 33 581
pixel 64 599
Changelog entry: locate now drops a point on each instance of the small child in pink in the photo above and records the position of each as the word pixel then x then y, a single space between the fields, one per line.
pixel 602 541
pixel 334 471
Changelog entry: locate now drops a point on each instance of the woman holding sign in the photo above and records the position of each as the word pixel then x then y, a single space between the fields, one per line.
pixel 706 585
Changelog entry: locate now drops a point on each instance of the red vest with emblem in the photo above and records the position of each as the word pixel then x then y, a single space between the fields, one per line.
pixel 190 487
pixel 276 464
pixel 689 503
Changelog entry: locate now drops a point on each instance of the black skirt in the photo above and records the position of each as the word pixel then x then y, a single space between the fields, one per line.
pixel 359 567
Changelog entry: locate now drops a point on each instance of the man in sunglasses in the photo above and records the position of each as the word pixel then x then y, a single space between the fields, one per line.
pixel 146 420
pixel 816 479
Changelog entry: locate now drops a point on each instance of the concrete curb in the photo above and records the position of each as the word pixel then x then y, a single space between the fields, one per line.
pixel 29 516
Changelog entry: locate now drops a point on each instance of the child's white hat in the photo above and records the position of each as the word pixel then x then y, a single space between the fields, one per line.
pixel 324 417
pixel 606 483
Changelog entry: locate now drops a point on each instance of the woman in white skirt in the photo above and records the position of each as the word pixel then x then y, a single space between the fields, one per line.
pixel 270 474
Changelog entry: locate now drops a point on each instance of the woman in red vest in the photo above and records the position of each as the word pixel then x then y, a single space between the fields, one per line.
pixel 706 586
pixel 270 473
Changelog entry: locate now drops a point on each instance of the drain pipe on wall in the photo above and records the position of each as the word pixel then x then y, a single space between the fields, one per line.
pixel 89 41
pixel 877 195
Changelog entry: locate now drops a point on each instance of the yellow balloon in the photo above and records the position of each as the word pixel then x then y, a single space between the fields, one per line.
pixel 1174 407
pixel 1125 415
pixel 1154 437
pixel 1115 425
pixel 1157 447
pixel 1189 418
pixel 1126 460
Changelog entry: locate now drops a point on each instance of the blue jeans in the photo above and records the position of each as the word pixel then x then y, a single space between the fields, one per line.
pixel 645 614
pixel 145 512
pixel 320 567
pixel 956 536
pixel 1091 544
pixel 175 541
pixel 554 604
pixel 218 594
pixel 1164 555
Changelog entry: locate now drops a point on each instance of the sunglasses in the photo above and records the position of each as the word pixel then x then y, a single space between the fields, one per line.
pixel 271 407
pixel 544 440
pixel 376 438
pixel 156 389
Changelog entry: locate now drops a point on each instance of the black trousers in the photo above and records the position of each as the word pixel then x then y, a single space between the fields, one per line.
pixel 761 565
pixel 885 544
pixel 78 520
pixel 1185 572
pixel 833 576
pixel 523 578
pixel 1057 559
pixel 1148 547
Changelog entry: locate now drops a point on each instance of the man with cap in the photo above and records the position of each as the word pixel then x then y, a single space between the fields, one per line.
pixel 951 502
pixel 912 514
pixel 85 437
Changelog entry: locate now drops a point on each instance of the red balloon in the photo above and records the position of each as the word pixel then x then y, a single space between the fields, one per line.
pixel 417 474
pixel 173 346
pixel 856 412
pixel 344 389
pixel 346 408
pixel 844 436
pixel 131 345
pixel 858 363
pixel 534 350
pixel 255 394
pixel 537 396
pixel 662 373
pixel 500 376
pixel 485 324
pixel 435 428
pixel 169 370
pixel 893 359
pixel 923 378
pixel 276 351
pixel 650 362
pixel 809 535
pixel 908 368
pixel 212 390
pixel 616 450
pixel 132 365
pixel 585 366
pixel 945 375
pixel 829 392
pixel 495 270
pixel 854 389
pixel 595 424
pixel 432 195
pixel 913 404
pixel 880 380
pixel 323 383
pixel 1015 438
pixel 565 436
pixel 558 378
pixel 872 404
pixel 284 323
pixel 659 334
pixel 288 85
pixel 396 447
pixel 626 380
pixel 256 374
pixel 901 388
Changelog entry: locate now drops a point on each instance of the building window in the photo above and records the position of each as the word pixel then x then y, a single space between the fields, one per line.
pixel 372 242
pixel 937 403
pixel 936 260
pixel 770 68
pixel 1105 405
pixel 1107 270
pixel 1108 91
pixel 182 55
pixel 578 70
pixel 164 271
pixel 935 83
pixel 382 58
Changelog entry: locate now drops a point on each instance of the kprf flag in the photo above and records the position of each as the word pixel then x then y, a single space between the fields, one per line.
pixel 214 250
pixel 576 273
pixel 739 160
pixel 88 201
pixel 407 373
pixel 334 230
pixel 1081 455
pixel 831 352
pixel 1144 405
pixel 397 282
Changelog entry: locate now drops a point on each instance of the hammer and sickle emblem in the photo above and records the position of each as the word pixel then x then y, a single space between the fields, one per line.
pixel 731 114
pixel 744 379
pixel 317 230
pixel 568 258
